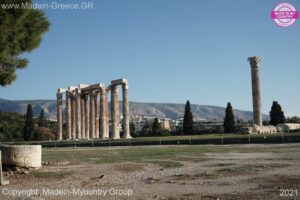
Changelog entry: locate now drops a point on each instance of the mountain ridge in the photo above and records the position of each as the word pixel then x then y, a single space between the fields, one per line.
pixel 160 110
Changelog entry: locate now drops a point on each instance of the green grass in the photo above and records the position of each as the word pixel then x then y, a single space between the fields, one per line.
pixel 158 139
pixel 163 156
pixel 131 154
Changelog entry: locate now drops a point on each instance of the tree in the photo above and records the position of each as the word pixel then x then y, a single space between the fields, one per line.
pixel 42 119
pixel 43 133
pixel 276 114
pixel 28 130
pixel 293 119
pixel 155 127
pixel 132 128
pixel 188 123
pixel 229 123
pixel 21 31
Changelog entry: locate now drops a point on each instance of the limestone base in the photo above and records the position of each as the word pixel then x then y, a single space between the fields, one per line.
pixel 29 156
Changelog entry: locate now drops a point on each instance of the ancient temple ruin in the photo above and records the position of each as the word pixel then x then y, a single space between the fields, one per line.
pixel 83 119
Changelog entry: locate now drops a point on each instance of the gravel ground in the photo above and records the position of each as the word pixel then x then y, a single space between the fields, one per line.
pixel 259 172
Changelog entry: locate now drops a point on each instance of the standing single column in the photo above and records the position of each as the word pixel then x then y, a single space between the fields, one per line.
pixel 87 116
pixel 115 112
pixel 59 116
pixel 69 116
pixel 82 116
pixel 96 115
pixel 126 130
pixel 92 116
pixel 257 116
pixel 78 114
pixel 102 113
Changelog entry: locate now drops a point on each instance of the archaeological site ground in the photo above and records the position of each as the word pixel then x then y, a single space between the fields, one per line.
pixel 208 172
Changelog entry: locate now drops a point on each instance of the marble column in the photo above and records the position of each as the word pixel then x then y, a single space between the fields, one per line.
pixel 82 116
pixel 102 113
pixel 59 116
pixel 115 112
pixel 73 117
pixel 257 115
pixel 96 114
pixel 126 130
pixel 106 114
pixel 87 116
pixel 92 115
pixel 78 114
pixel 69 116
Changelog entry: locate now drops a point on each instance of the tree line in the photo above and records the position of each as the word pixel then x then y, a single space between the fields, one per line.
pixel 18 127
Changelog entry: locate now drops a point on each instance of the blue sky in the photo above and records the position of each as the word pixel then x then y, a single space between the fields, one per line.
pixel 170 51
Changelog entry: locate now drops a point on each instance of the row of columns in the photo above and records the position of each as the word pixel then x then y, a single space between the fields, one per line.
pixel 82 109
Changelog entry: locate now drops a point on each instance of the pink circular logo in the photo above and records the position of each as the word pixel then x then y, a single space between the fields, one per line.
pixel 284 14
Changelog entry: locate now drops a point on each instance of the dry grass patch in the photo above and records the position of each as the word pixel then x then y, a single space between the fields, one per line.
pixel 129 167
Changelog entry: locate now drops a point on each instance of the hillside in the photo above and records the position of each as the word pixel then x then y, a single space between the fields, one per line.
pixel 161 110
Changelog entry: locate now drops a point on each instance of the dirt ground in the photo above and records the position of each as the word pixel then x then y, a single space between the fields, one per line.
pixel 230 172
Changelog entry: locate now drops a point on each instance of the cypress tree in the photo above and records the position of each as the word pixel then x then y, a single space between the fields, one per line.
pixel 132 128
pixel 188 123
pixel 229 123
pixel 155 127
pixel 28 131
pixel 42 119
pixel 276 114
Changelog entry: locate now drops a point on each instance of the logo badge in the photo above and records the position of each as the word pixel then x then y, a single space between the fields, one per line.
pixel 284 14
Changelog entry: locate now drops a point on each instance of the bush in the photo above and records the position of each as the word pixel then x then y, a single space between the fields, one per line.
pixel 43 133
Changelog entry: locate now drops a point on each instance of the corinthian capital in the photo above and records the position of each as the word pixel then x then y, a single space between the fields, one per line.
pixel 254 60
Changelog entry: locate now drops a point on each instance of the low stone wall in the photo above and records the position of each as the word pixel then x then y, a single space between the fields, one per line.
pixel 287 127
pixel 22 155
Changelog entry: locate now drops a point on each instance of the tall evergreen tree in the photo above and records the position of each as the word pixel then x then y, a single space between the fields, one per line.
pixel 28 131
pixel 42 119
pixel 229 123
pixel 188 123
pixel 132 128
pixel 155 127
pixel 276 114
pixel 21 32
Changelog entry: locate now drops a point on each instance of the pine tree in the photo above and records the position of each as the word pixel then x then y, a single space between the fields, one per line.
pixel 229 123
pixel 42 119
pixel 155 127
pixel 28 131
pixel 276 114
pixel 21 31
pixel 188 123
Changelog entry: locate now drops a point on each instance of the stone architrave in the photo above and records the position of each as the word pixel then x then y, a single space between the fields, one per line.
pixel 257 115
